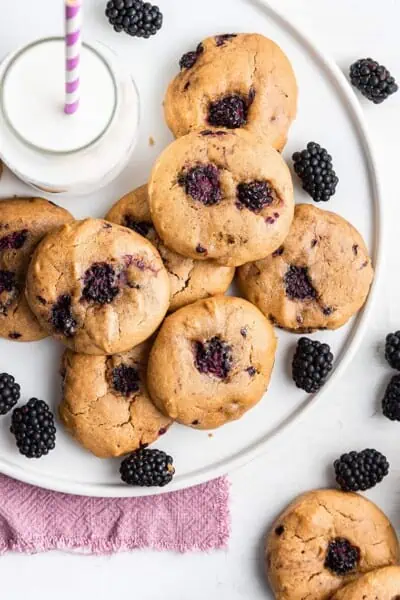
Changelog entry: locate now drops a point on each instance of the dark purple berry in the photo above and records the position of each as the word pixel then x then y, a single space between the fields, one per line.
pixel 100 283
pixel 373 80
pixel 230 111
pixel 34 429
pixel 357 471
pixel 189 59
pixel 341 556
pixel 202 184
pixel 8 290
pixel 147 467
pixel 125 379
pixel 61 316
pixel 141 227
pixel 298 285
pixel 13 241
pixel 254 195
pixel 213 357
pixel 9 393
pixel 312 363
pixel 314 167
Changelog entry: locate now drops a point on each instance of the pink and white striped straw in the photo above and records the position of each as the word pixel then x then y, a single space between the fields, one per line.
pixel 73 43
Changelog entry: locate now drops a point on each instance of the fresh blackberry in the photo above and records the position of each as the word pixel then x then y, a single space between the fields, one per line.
pixel 392 350
pixel 34 429
pixel 147 468
pixel 341 556
pixel 360 470
pixel 373 80
pixel 135 17
pixel 314 167
pixel 311 365
pixel 391 399
pixel 9 393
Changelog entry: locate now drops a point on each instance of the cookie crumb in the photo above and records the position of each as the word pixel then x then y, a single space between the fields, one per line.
pixel 210 435
pixel 151 141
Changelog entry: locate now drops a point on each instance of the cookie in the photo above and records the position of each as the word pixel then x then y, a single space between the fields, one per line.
pixel 382 584
pixel 23 223
pixel 97 287
pixel 211 362
pixel 105 403
pixel 226 196
pixel 317 279
pixel 324 540
pixel 234 81
pixel 190 280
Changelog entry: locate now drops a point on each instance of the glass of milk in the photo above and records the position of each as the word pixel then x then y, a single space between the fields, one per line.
pixel 59 153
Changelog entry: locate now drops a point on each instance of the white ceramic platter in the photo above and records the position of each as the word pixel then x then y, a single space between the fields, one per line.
pixel 328 113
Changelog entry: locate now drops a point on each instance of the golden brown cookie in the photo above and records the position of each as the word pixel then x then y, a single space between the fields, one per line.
pixel 324 540
pixel 190 280
pixel 317 279
pixel 97 287
pixel 226 196
pixel 23 223
pixel 234 81
pixel 105 403
pixel 382 584
pixel 211 362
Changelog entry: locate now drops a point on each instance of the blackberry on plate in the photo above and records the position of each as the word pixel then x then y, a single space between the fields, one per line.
pixel 392 350
pixel 147 468
pixel 360 470
pixel 391 399
pixel 373 80
pixel 34 429
pixel 314 167
pixel 135 17
pixel 9 393
pixel 312 363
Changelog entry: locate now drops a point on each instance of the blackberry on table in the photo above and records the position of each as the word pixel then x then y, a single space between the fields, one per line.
pixel 135 17
pixel 147 468
pixel 314 167
pixel 311 365
pixel 34 429
pixel 392 350
pixel 9 393
pixel 373 80
pixel 360 470
pixel 391 399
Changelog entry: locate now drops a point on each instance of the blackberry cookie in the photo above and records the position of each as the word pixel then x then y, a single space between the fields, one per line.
pixel 226 196
pixel 234 81
pixel 211 362
pixel 105 403
pixel 98 287
pixel 317 279
pixel 190 280
pixel 324 540
pixel 382 584
pixel 23 223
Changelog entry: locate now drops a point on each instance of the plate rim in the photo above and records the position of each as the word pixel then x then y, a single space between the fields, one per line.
pixel 297 417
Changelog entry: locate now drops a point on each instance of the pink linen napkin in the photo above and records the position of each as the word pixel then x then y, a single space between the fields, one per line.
pixel 36 520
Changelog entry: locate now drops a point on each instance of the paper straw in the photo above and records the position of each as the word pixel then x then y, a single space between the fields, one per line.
pixel 73 43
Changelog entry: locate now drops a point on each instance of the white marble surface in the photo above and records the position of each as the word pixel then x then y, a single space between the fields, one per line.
pixel 348 418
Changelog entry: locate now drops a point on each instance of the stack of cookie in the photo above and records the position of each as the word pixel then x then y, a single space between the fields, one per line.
pixel 219 197
pixel 333 544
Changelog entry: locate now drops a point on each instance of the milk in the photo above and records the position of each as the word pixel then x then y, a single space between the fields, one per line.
pixel 70 154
